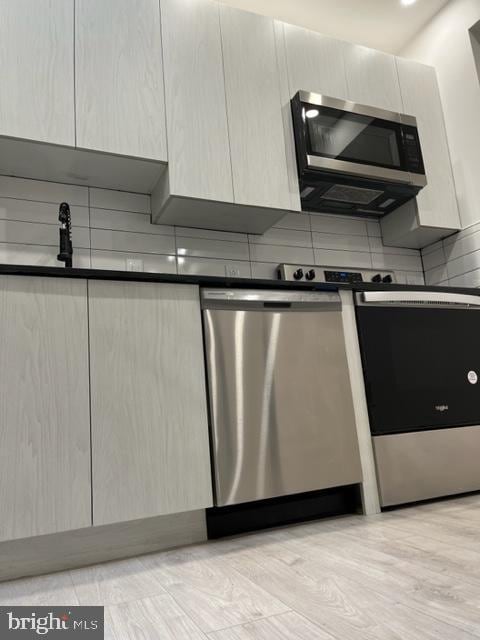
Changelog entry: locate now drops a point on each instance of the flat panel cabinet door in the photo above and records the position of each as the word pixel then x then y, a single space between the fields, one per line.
pixel 44 400
pixel 372 78
pixel 315 63
pixel 197 131
pixel 254 109
pixel 437 203
pixel 120 106
pixel 149 414
pixel 282 66
pixel 36 70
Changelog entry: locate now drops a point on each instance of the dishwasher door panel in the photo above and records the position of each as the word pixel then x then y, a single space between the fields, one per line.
pixel 281 405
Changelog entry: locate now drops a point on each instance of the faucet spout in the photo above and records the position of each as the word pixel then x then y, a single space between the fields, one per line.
pixel 65 235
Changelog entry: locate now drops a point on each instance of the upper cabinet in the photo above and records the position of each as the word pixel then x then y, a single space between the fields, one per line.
pixel 112 84
pixel 36 70
pixel 434 212
pixel 224 120
pixel 372 78
pixel 337 69
pixel 314 63
pixel 85 77
pixel 120 104
pixel 199 154
pixel 306 61
pixel 254 112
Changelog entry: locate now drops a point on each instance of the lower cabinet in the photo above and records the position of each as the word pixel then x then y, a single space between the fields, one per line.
pixel 150 448
pixel 44 406
pixel 134 437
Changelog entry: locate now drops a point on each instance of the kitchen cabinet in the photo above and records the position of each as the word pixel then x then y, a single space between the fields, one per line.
pixel 36 70
pixel 314 63
pixel 198 188
pixel 112 52
pixel 120 105
pixel 150 446
pixel 372 78
pixel 197 131
pixel 282 66
pixel 254 112
pixel 306 61
pixel 434 212
pixel 44 400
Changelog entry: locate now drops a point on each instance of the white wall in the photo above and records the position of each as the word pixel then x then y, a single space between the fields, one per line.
pixel 446 44
pixel 454 261
pixel 380 24
pixel 110 227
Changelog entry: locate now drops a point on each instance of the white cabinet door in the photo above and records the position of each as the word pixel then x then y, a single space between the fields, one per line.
pixel 120 105
pixel 150 444
pixel 197 133
pixel 254 111
pixel 307 61
pixel 437 203
pixel 44 400
pixel 36 70
pixel 282 66
pixel 315 63
pixel 372 78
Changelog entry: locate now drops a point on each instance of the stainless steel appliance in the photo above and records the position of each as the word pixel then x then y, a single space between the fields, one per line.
pixel 353 158
pixel 317 273
pixel 281 408
pixel 421 361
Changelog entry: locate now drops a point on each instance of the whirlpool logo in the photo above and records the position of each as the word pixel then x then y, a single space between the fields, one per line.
pixel 441 407
pixel 56 622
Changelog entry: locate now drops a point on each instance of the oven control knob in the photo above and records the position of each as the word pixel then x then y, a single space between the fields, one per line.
pixel 387 279
pixel 377 277
pixel 298 274
pixel 310 275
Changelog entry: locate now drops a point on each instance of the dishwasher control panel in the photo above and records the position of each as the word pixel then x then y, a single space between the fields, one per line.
pixel 308 273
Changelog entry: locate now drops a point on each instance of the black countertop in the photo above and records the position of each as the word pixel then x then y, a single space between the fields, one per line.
pixel 215 281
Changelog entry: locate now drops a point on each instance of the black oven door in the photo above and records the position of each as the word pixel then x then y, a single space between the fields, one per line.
pixel 421 366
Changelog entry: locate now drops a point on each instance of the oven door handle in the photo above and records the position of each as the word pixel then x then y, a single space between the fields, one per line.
pixel 417 299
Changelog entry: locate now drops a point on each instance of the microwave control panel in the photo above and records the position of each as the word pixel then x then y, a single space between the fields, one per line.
pixel 308 273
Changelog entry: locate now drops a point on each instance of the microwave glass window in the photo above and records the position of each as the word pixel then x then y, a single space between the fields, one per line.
pixel 352 137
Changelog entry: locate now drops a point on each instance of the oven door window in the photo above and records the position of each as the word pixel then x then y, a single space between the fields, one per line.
pixel 351 137
pixel 421 367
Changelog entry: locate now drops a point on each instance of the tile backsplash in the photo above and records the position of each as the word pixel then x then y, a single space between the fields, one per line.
pixel 111 227
pixel 454 261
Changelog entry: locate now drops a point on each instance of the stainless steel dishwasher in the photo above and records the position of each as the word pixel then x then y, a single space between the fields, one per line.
pixel 282 418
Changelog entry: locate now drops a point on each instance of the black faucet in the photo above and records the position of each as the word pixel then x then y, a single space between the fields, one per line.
pixel 65 231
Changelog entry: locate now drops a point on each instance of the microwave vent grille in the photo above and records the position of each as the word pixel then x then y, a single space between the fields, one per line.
pixel 353 195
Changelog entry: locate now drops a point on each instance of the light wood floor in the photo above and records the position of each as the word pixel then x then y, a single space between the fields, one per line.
pixel 404 575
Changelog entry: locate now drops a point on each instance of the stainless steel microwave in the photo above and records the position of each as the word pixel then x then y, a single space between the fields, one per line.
pixel 355 159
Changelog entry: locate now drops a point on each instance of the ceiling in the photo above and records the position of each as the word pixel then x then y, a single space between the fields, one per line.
pixel 380 24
